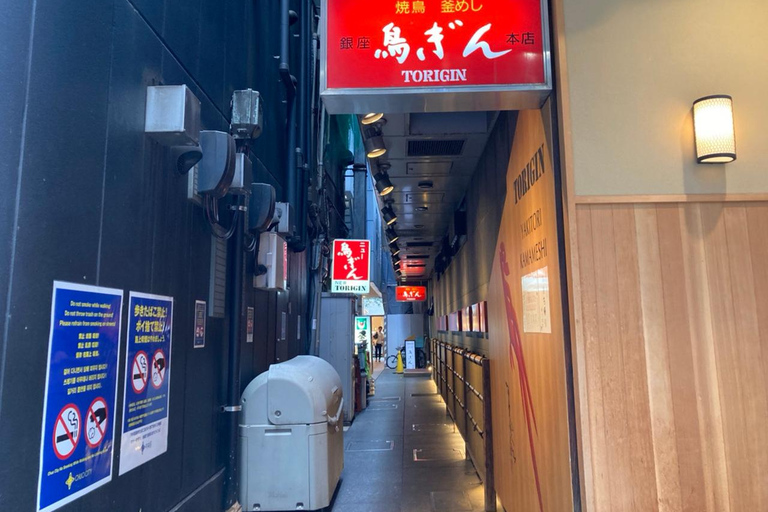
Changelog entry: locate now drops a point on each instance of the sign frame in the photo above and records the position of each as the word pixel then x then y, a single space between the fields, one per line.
pixel 42 483
pixel 155 433
pixel 442 98
pixel 401 290
pixel 336 283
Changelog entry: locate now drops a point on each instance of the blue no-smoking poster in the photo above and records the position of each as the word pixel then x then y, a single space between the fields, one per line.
pixel 81 392
pixel 147 378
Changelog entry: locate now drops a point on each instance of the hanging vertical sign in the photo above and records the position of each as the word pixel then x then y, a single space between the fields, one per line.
pixel 80 393
pixel 434 55
pixel 363 330
pixel 351 266
pixel 147 375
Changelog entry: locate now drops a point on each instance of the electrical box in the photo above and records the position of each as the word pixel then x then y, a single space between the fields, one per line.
pixel 273 255
pixel 241 182
pixel 247 114
pixel 172 116
pixel 287 222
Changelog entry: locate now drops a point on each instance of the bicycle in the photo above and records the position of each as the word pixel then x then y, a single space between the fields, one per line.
pixel 421 358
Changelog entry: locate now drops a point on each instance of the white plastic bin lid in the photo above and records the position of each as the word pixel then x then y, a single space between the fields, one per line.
pixel 305 389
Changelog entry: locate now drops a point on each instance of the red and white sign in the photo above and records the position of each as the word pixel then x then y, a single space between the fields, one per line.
pixel 351 266
pixel 158 368
pixel 66 431
pixel 411 293
pixel 405 44
pixel 96 422
pixel 139 372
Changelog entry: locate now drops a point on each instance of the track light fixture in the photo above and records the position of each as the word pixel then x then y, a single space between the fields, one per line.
pixel 373 141
pixel 394 249
pixel 391 234
pixel 383 184
pixel 389 215
pixel 371 118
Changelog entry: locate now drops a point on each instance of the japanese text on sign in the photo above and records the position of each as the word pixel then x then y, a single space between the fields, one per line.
pixel 81 392
pixel 461 42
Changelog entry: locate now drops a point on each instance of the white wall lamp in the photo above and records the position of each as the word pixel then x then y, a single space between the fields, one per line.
pixel 713 129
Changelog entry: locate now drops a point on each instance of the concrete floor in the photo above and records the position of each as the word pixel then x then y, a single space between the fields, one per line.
pixel 403 454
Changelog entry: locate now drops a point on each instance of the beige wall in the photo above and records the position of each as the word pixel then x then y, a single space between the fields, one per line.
pixel 634 69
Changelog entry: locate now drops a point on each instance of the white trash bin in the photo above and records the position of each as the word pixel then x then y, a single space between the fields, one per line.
pixel 291 437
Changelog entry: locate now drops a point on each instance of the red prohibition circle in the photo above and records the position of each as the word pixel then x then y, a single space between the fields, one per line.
pixel 162 374
pixel 73 440
pixel 149 370
pixel 103 430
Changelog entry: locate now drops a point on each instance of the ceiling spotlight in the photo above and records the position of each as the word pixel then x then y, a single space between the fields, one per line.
pixel 394 249
pixel 425 184
pixel 391 234
pixel 373 141
pixel 371 118
pixel 389 215
pixel 383 184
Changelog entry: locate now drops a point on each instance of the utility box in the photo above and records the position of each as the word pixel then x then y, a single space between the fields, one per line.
pixel 273 255
pixel 337 341
pixel 291 437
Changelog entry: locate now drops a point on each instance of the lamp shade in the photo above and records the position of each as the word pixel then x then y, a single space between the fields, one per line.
pixel 713 129
pixel 389 215
pixel 373 141
pixel 371 118
pixel 383 184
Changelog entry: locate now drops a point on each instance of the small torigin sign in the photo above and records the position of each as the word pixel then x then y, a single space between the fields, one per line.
pixel 411 293
pixel 350 271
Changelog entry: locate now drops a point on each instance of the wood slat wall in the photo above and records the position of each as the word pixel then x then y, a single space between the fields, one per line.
pixel 671 310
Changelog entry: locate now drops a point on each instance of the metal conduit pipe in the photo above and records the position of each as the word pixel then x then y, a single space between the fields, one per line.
pixel 289 82
pixel 232 407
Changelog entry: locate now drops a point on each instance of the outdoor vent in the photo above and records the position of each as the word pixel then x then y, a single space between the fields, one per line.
pixel 413 265
pixel 419 244
pixel 426 147
pixel 417 257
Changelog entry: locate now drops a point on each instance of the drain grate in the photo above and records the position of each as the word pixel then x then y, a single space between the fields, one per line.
pixel 446 428
pixel 378 406
pixel 370 446
pixel 438 454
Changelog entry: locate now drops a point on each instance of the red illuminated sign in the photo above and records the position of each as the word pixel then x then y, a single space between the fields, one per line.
pixel 435 44
pixel 411 293
pixel 350 271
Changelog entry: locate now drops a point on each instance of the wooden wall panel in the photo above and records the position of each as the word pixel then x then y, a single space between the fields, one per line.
pixel 671 341
pixel 528 370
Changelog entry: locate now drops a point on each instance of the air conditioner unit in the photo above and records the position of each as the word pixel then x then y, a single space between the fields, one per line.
pixel 273 255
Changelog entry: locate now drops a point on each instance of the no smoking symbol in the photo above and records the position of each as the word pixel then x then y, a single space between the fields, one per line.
pixel 158 369
pixel 96 423
pixel 139 371
pixel 66 431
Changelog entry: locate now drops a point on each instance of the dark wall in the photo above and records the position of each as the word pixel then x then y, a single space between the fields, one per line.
pixel 88 199
pixel 465 282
